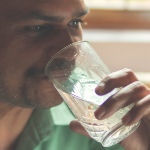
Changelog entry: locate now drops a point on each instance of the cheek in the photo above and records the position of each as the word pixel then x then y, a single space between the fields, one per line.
pixel 15 59
pixel 42 92
pixel 21 53
pixel 76 33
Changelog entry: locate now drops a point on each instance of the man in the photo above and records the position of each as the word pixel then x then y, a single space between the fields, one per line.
pixel 31 32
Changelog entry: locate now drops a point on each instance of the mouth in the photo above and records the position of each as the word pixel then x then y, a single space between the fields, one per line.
pixel 34 72
pixel 44 82
pixel 44 77
pixel 59 68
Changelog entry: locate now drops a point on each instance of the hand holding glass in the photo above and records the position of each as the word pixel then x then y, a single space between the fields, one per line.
pixel 75 72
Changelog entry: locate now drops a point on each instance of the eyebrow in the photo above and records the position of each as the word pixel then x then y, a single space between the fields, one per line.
pixel 53 18
pixel 82 12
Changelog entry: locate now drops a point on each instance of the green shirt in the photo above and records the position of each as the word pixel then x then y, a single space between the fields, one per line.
pixel 48 130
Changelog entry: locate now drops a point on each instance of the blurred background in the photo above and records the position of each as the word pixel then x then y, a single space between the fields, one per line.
pixel 119 30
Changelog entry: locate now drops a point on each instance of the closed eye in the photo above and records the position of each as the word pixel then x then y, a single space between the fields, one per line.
pixel 38 28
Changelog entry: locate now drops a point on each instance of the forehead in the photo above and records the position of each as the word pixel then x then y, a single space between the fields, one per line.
pixel 16 8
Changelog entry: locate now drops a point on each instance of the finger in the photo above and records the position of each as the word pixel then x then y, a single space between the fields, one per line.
pixel 78 128
pixel 140 110
pixel 130 94
pixel 117 79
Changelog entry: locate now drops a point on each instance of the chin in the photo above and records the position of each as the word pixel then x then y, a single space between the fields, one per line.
pixel 40 93
pixel 45 99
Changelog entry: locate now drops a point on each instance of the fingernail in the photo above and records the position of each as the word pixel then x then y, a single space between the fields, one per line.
pixel 100 112
pixel 100 87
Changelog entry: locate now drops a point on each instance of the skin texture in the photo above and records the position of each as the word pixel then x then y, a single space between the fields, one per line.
pixel 32 31
pixel 132 92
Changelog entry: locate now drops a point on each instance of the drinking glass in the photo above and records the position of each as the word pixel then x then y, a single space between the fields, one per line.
pixel 75 71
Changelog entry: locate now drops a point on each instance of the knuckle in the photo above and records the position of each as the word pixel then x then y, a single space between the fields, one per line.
pixel 108 79
pixel 128 72
pixel 138 86
pixel 139 110
pixel 114 102
pixel 114 99
pixel 129 75
pixel 142 107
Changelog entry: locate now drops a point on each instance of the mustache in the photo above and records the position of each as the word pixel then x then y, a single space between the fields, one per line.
pixel 35 72
pixel 59 67
pixel 56 66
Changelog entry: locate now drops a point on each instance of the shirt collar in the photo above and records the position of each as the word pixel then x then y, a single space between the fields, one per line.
pixel 38 129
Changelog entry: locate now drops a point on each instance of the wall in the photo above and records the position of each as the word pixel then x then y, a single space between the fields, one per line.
pixel 123 49
pixel 120 55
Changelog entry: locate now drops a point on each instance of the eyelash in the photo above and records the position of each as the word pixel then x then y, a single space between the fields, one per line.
pixel 38 28
pixel 41 28
pixel 77 23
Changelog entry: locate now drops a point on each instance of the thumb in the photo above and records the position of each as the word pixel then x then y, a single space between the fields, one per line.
pixel 78 128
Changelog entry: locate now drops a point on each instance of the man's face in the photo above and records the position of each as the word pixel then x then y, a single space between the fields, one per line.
pixel 31 32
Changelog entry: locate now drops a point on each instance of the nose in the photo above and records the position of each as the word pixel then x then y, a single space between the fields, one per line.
pixel 61 39
pixel 66 38
pixel 64 58
pixel 61 64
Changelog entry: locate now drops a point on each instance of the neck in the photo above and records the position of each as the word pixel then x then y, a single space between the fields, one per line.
pixel 12 122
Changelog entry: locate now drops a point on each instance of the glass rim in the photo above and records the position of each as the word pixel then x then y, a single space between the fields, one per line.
pixel 63 49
